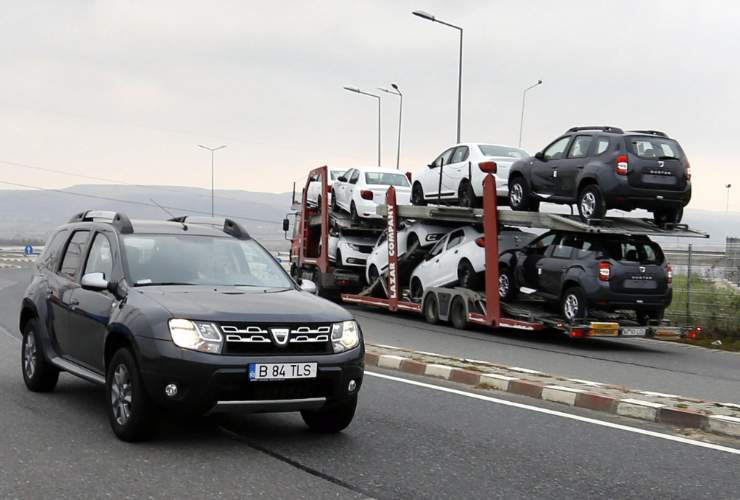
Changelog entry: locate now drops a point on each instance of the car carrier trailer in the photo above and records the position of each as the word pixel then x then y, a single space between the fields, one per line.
pixel 463 307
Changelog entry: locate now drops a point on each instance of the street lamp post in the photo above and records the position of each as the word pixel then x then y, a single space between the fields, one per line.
pixel 358 91
pixel 430 17
pixel 400 115
pixel 727 198
pixel 524 97
pixel 212 150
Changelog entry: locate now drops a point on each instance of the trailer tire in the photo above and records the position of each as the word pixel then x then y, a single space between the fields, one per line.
pixel 573 305
pixel 459 313
pixel 431 309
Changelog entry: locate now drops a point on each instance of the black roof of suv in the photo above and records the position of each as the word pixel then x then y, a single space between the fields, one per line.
pixel 190 315
pixel 602 167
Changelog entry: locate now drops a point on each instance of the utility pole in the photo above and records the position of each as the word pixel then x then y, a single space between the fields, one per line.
pixel 212 150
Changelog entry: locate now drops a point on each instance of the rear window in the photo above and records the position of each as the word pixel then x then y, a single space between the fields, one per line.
pixel 644 252
pixel 655 147
pixel 386 179
pixel 503 151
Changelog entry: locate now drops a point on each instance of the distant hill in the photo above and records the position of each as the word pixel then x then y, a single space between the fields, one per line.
pixel 28 214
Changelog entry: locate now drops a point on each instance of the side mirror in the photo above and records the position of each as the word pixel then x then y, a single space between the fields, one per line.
pixel 286 225
pixel 431 165
pixel 342 178
pixel 308 286
pixel 540 156
pixel 94 281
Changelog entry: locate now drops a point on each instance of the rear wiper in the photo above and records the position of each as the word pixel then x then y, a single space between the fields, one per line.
pixel 165 283
pixel 667 158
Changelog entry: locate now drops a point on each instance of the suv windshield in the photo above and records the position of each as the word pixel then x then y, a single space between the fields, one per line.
pixel 503 151
pixel 386 179
pixel 165 259
pixel 655 147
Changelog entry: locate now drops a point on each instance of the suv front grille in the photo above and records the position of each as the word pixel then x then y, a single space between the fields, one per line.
pixel 241 338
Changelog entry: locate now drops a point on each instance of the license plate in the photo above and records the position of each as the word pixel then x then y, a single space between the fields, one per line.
pixel 281 371
pixel 631 331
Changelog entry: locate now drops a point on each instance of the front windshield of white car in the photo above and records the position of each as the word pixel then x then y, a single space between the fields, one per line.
pixel 502 151
pixel 169 259
pixel 386 179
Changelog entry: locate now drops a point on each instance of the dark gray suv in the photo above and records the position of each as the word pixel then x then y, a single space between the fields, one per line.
pixel 599 168
pixel 187 317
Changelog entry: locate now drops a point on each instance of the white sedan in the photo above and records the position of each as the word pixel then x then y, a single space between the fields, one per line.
pixel 360 190
pixel 462 169
pixel 408 236
pixel 313 194
pixel 459 258
pixel 349 251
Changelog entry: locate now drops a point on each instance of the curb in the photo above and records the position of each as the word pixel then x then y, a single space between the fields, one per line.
pixel 651 411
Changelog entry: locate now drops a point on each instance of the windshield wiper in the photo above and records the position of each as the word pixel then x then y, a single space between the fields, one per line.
pixel 667 158
pixel 165 283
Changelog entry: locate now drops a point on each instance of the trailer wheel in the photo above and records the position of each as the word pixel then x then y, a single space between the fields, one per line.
pixel 573 304
pixel 459 313
pixel 431 309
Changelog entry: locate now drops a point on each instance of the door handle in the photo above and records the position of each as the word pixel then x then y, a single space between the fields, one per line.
pixel 456 251
pixel 436 261
pixel 579 167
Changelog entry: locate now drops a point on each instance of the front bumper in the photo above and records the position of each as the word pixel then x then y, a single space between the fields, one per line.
pixel 221 382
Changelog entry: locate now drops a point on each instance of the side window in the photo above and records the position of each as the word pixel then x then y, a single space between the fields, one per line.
pixel 588 249
pixel 347 174
pixel 456 238
pixel 437 249
pixel 355 176
pixel 381 239
pixel 461 154
pixel 541 245
pixel 53 250
pixel 556 150
pixel 444 158
pixel 580 146
pixel 73 255
pixel 566 245
pixel 602 144
pixel 100 259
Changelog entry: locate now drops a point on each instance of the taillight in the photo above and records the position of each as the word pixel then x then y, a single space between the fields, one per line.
pixel 688 170
pixel 366 195
pixel 488 167
pixel 669 273
pixel 481 242
pixel 622 165
pixel 605 271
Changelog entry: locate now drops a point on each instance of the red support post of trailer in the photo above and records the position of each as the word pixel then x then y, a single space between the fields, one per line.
pixel 322 261
pixel 392 221
pixel 490 231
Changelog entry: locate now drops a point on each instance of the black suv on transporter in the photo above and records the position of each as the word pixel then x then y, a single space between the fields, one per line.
pixel 185 316
pixel 598 168
pixel 585 272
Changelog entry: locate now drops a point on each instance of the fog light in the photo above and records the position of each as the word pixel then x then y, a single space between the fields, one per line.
pixel 170 390
pixel 352 385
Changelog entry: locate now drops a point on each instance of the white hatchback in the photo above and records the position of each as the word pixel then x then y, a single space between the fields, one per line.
pixel 462 169
pixel 349 251
pixel 459 258
pixel 360 190
pixel 313 193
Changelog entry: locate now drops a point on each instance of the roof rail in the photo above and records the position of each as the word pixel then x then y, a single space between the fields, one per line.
pixel 228 226
pixel 118 220
pixel 651 132
pixel 603 128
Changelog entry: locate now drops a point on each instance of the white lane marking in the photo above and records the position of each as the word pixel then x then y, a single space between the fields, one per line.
pixel 6 332
pixel 547 411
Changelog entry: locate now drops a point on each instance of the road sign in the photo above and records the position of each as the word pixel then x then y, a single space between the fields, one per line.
pixel 28 251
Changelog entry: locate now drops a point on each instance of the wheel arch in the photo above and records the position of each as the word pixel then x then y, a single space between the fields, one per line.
pixel 118 336
pixel 587 181
pixel 28 312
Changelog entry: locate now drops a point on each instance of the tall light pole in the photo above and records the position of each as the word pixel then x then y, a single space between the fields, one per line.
pixel 212 150
pixel 358 91
pixel 524 97
pixel 727 199
pixel 430 17
pixel 400 115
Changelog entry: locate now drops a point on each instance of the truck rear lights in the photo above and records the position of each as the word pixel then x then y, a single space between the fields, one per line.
pixel 366 194
pixel 669 273
pixel 489 167
pixel 605 271
pixel 481 242
pixel 622 165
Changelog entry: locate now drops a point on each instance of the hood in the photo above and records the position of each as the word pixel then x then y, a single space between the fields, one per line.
pixel 237 304
pixel 360 240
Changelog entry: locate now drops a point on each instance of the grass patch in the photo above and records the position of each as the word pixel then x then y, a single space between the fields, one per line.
pixel 712 305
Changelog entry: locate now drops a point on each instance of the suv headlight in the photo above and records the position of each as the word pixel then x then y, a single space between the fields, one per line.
pixel 196 335
pixel 345 335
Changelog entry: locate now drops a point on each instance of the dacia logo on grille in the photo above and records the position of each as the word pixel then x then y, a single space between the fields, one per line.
pixel 642 269
pixel 660 163
pixel 280 335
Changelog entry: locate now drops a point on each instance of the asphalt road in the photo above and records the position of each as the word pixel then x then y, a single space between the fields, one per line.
pixel 407 441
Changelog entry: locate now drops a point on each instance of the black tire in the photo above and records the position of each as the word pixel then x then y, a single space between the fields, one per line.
pixel 644 318
pixel 506 289
pixel 667 216
pixel 417 290
pixel 38 374
pixel 466 196
pixel 412 243
pixel 591 204
pixel 136 420
pixel 353 213
pixel 458 314
pixel 417 195
pixel 338 259
pixel 373 274
pixel 334 207
pixel 520 196
pixel 573 305
pixel 332 419
pixel 466 276
pixel 431 309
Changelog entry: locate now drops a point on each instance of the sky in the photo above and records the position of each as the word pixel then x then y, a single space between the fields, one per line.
pixel 126 90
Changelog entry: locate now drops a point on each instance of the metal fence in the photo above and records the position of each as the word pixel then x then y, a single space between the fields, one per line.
pixel 706 286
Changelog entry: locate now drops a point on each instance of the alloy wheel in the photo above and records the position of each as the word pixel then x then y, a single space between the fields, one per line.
pixel 121 393
pixel 30 355
pixel 570 307
pixel 503 285
pixel 588 204
pixel 516 194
